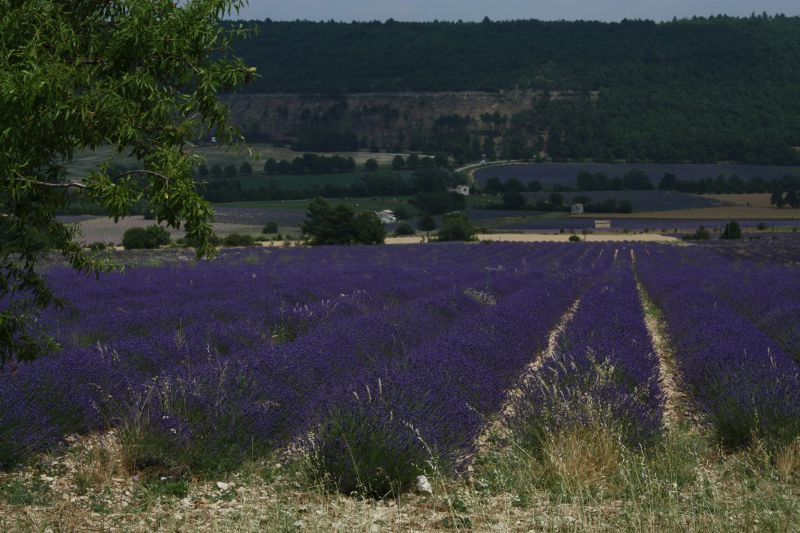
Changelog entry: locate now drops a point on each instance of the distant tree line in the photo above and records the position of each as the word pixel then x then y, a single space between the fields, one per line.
pixel 730 185
pixel 515 200
pixel 430 183
pixel 701 90
pixel 638 180
pixel 309 164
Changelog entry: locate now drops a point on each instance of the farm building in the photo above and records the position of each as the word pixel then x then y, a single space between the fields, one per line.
pixel 602 224
pixel 576 209
pixel 460 189
pixel 386 216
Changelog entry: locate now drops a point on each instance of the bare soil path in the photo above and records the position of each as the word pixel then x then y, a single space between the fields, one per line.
pixel 678 407
pixel 495 429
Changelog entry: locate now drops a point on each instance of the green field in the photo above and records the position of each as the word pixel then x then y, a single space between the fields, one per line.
pixel 302 182
pixel 359 204
pixel 85 162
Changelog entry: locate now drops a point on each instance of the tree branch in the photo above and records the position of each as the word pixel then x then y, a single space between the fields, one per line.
pixel 64 185
pixel 146 172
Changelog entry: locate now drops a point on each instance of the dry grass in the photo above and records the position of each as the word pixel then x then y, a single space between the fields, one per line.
pixel 747 200
pixel 593 237
pixel 710 213
pixel 582 460
pixel 104 229
pixel 787 461
pixel 583 480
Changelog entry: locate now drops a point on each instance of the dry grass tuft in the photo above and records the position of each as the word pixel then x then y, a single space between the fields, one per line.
pixel 581 459
pixel 98 462
pixel 787 462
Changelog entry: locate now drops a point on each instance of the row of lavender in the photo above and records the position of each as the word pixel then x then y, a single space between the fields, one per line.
pixel 258 350
pixel 766 293
pixel 746 383
pixel 604 371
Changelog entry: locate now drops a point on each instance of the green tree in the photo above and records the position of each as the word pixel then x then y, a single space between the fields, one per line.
pixel 456 227
pixel 732 231
pixel 426 223
pixel 246 169
pixel 371 165
pixel 513 200
pixel 398 163
pixel 270 166
pixel 494 185
pixel 404 230
pixel 793 199
pixel 145 238
pixel 514 184
pixel 230 171
pixel 139 76
pixel 489 149
pixel 327 224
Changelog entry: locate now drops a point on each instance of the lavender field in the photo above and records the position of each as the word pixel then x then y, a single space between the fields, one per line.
pixel 380 363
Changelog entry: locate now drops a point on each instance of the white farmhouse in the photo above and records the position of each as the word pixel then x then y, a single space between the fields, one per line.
pixel 460 189
pixel 576 209
pixel 386 216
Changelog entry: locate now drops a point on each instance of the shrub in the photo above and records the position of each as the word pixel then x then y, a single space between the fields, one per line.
pixel 732 231
pixel 269 228
pixel 574 238
pixel 360 447
pixel 145 238
pixel 456 227
pixel 702 234
pixel 404 230
pixel 238 239
pixel 402 213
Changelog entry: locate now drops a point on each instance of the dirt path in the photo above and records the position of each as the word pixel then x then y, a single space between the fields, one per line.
pixel 495 428
pixel 678 407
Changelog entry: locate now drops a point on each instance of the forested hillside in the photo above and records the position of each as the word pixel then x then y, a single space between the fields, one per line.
pixel 697 90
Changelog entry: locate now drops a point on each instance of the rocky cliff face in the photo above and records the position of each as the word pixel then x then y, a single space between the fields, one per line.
pixel 385 120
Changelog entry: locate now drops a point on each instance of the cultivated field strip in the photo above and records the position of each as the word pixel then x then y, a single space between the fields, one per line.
pixel 410 349
pixel 743 381
pixel 604 369
pixel 269 333
pixel 767 294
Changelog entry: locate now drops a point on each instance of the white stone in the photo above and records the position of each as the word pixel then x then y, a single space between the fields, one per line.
pixel 221 485
pixel 423 485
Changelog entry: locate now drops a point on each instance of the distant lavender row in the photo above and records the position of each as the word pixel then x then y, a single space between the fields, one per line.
pixel 766 294
pixel 741 378
pixel 666 225
pixel 762 247
pixel 604 369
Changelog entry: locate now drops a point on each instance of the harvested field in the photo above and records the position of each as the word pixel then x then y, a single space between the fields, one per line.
pixel 103 229
pixel 710 213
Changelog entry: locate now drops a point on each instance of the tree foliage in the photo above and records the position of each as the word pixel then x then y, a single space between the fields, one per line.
pixel 702 90
pixel 456 227
pixel 139 76
pixel 145 238
pixel 327 224
pixel 732 231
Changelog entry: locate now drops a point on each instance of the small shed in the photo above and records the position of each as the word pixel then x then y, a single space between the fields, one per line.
pixel 576 209
pixel 386 216
pixel 602 224
pixel 460 189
